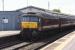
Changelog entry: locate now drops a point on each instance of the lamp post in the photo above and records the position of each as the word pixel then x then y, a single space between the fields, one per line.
pixel 27 2
pixel 3 5
pixel 3 11
pixel 48 5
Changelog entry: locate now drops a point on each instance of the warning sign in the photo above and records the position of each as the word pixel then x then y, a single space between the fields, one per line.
pixel 5 20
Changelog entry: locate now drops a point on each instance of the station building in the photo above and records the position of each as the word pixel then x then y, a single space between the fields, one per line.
pixel 10 20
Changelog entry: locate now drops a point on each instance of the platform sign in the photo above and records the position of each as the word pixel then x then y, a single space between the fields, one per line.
pixel 5 20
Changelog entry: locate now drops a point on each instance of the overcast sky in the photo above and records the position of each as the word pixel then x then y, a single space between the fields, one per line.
pixel 66 6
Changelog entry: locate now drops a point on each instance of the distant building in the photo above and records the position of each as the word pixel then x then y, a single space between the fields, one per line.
pixel 10 20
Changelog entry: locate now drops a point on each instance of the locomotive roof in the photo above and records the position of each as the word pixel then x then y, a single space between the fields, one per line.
pixel 57 15
pixel 49 14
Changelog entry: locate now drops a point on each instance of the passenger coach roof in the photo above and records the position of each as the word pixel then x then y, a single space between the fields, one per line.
pixel 49 14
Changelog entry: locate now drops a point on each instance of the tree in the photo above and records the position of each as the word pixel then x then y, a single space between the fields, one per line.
pixel 57 10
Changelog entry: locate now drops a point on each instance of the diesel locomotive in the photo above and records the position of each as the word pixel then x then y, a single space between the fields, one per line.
pixel 34 23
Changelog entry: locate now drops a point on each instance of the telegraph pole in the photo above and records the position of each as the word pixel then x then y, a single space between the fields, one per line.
pixel 3 5
pixel 3 11
pixel 27 3
pixel 48 5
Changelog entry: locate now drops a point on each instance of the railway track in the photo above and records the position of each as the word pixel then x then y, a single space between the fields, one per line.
pixel 9 41
pixel 35 45
pixel 32 46
pixel 26 46
pixel 14 47
pixel 39 44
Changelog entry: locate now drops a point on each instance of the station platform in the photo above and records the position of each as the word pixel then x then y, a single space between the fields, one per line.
pixel 65 43
pixel 9 33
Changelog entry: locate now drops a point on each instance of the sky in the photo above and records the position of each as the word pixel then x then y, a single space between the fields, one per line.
pixel 66 6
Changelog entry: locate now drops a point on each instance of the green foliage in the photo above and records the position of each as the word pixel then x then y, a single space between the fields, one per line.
pixel 57 10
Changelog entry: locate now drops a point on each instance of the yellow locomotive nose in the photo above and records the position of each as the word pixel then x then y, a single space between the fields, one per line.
pixel 29 24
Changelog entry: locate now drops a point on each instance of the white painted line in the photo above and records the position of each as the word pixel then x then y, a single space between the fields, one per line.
pixel 15 46
pixel 8 33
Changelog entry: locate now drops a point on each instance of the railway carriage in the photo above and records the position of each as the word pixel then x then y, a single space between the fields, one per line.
pixel 34 23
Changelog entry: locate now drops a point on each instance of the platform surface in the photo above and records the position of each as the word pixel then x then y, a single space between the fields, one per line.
pixel 9 33
pixel 65 43
pixel 70 46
